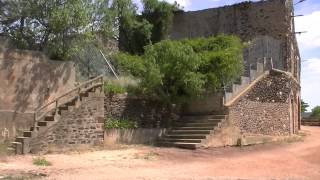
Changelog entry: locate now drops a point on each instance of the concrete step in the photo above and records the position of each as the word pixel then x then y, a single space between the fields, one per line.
pixel 183 145
pixel 185 136
pixel 180 140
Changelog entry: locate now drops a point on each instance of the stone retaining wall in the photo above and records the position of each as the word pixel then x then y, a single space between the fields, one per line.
pixel 147 113
pixel 81 126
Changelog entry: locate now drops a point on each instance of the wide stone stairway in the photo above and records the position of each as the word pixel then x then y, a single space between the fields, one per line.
pixel 52 112
pixel 190 131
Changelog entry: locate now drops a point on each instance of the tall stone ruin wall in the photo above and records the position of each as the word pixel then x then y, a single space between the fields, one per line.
pixel 270 22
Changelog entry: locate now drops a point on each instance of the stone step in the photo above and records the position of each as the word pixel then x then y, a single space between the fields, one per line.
pixel 203 117
pixel 49 118
pixel 21 139
pixel 18 147
pixel 11 150
pixel 42 123
pixel 198 124
pixel 181 140
pixel 185 136
pixel 192 128
pixel 33 128
pixel 63 107
pixel 198 121
pixel 183 145
pixel 27 133
pixel 205 132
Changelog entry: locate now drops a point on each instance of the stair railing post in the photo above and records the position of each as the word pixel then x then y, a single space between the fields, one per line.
pixel 102 84
pixel 271 62
pixel 56 107
pixel 35 121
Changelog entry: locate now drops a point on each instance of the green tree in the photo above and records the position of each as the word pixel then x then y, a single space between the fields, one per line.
pixel 316 112
pixel 176 71
pixel 57 27
pixel 160 15
pixel 134 31
pixel 304 106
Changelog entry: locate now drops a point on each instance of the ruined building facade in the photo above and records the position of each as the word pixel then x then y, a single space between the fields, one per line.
pixel 266 100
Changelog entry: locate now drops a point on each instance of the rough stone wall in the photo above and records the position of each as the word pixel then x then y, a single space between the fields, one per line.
pixel 248 20
pixel 147 113
pixel 81 126
pixel 266 108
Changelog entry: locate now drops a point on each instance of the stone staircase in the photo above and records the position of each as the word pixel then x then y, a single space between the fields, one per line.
pixel 233 90
pixel 191 130
pixel 21 145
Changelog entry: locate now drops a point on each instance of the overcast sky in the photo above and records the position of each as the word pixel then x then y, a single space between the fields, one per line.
pixel 309 43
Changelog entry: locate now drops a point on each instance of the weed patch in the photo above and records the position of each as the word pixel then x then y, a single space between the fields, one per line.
pixel 40 161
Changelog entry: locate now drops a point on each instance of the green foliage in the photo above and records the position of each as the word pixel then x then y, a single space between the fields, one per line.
pixel 304 106
pixel 160 15
pixel 57 27
pixel 137 31
pixel 175 71
pixel 40 161
pixel 114 88
pixel 316 112
pixel 120 124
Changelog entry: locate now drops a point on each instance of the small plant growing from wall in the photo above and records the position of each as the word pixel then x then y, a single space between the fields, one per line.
pixel 120 124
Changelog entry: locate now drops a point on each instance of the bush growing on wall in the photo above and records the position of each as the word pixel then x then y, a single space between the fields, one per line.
pixel 176 71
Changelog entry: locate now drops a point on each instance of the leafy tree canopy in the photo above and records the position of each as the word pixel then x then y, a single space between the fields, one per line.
pixel 316 112
pixel 175 71
pixel 58 27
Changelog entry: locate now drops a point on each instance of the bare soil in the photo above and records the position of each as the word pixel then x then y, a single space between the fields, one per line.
pixel 287 161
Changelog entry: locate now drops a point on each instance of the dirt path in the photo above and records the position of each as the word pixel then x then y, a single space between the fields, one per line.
pixel 289 161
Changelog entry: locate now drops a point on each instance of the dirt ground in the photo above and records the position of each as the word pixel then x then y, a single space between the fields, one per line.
pixel 287 161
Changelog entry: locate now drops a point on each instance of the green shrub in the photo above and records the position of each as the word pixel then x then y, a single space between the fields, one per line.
pixel 177 71
pixel 114 88
pixel 120 124
pixel 316 112
pixel 40 161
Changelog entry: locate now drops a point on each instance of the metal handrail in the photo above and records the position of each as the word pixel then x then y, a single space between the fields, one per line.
pixel 83 87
